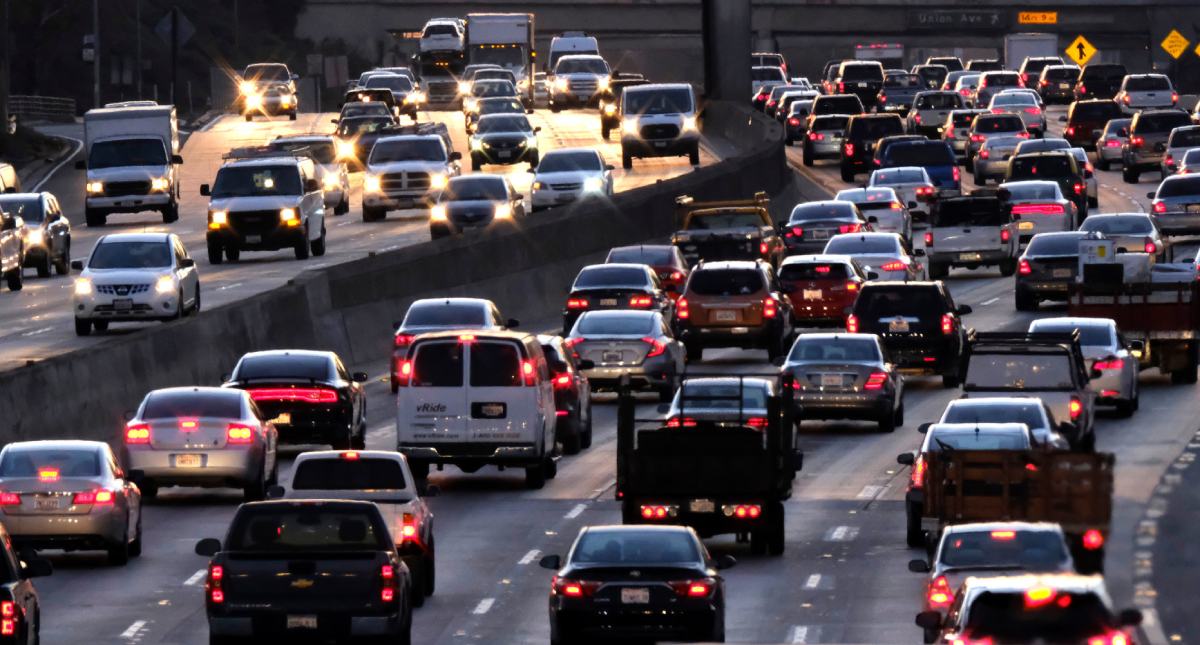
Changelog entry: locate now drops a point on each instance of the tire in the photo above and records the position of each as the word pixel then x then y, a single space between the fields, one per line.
pixel 249 118
pixel 626 160
pixel 232 253
pixel 554 108
pixel 789 142
pixel 135 547
pixel 359 441
pixel 950 381
pixel 301 248
pixel 292 116
pixel 430 571
pixel 256 490
pixel 196 307
pixel 1125 408
pixel 220 639
pixel 1088 444
pixel 62 266
pixel 605 131
pixel 94 217
pixel 887 421
pixel 170 214
pixel 899 415
pixel 1093 202
pixel 694 353
pixel 214 253
pixel 420 471
pixel 937 270
pixel 14 279
pixel 694 155
pixel 317 246
pixel 476 163
pixel 438 232
pixel 758 542
pixel 100 325
pixel 776 542
pixel 44 267
pixel 847 175
pixel 1025 301
pixel 572 440
pixel 534 160
pixel 1008 268
pixel 1130 175
pixel 535 477
pixel 914 536
pixel 808 158
pixel 342 207
pixel 585 436
pixel 1185 376
pixel 83 327
pixel 418 585
pixel 1103 164
pixel 373 214
pixel 149 489
pixel 666 393
pixel 118 554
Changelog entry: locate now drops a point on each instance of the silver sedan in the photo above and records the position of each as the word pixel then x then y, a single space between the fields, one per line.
pixel 1107 352
pixel 1130 233
pixel 634 343
pixel 201 436
pixel 70 495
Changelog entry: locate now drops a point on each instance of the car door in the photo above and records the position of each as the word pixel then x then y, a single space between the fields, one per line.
pixel 58 229
pixel 433 407
pixel 504 403
pixel 357 398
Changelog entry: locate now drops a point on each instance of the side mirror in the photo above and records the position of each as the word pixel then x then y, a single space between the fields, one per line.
pixel 455 156
pixel 275 491
pixel 1065 428
pixel 1130 617
pixel 431 490
pixel 187 263
pixel 311 185
pixel 919 253
pixel 205 190
pixel 918 566
pixel 512 323
pixel 359 377
pixel 963 310
pixel 77 265
pixel 905 459
pixel 1137 347
pixel 726 562
pixel 924 428
pixel 36 567
pixel 81 165
pixel 929 620
pixel 176 159
pixel 609 166
pixel 537 129
pixel 295 77
pixel 1062 119
pixel 552 562
pixel 1150 195
pixel 208 547
pixel 586 364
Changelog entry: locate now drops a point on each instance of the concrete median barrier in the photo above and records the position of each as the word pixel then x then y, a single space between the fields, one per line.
pixel 349 307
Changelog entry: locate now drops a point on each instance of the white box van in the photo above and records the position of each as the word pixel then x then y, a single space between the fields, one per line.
pixel 477 398
pixel 571 43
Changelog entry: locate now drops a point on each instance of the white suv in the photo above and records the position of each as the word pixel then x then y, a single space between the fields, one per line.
pixel 578 80
pixel 406 171
pixel 133 277
pixel 568 174
pixel 660 121
pixel 476 398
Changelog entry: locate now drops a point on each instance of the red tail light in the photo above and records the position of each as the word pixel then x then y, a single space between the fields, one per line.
pixel 852 324
pixel 562 381
pixel 1023 267
pixel 948 323
pixel 1043 83
pixel 1038 209
pixel 743 511
pixel 1070 131
pixel 10 499
pixel 1150 247
pixel 917 118
pixel 928 238
pixel 966 91
pixel 577 303
pixel 816 136
pixel 350 455
pixel 875 381
pixel 764 248
pixel 997 111
pixel 1093 539
pixel 216 578
pixel 94 497
pixel 796 231
pixel 1169 160
pixel 681 309
pixel 851 286
pixel 573 588
pixel 771 103
pixel 849 148
pixel 957 175
pixel 882 97
pixel 657 511
pixel 693 588
pixel 387 583
pixel 1111 363
pixel 676 422
pixel 408 529
pixel 1005 235
pixel 841 87
pixel 916 478
pixel 984 154
pixel 528 372
pixel 940 595
pixel 404 372
pixel 1112 143
pixel 1022 135
pixel 1136 142
pixel 137 433
pixel 657 347
pixel 1111 638
pixel 1004 536
pixel 794 122
pixel 770 308
pixel 238 433
pixel 894 265
pixel 1174 97
pixel 8 618
pixel 1082 89
pixel 1033 110
pixel 925 191
pixel 846 228
pixel 1078 189
pixel 1075 408
pixel 640 301
pixel 298 394
pixel 978 138
pixel 403 340
pixel 1159 207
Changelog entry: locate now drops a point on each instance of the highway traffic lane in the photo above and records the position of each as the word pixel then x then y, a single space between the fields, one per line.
pixel 37 322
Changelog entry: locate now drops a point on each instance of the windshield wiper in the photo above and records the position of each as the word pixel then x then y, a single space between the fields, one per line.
pixel 943 445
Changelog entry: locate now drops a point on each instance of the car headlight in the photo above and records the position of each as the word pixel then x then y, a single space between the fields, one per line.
pixel 414 97
pixel 285 100
pixel 217 219
pixel 164 284
pixel 503 211
pixel 83 287
pixel 288 216
pixel 523 143
pixel 246 86
pixel 630 126
pixel 610 109
pixel 603 83
pixel 562 84
pixel 437 181
pixel 346 150
pixel 537 185
pixel 35 237
pixel 438 213
pixel 331 181
pixel 531 140
pixel 372 184
pixel 253 101
pixel 523 83
pixel 95 187
pixel 689 123
pixel 160 184
pixel 476 143
pixel 593 184
pixel 464 87
pixel 472 105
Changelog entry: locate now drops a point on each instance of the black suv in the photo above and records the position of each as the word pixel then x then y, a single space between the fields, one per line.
pixel 1099 81
pixel 1085 118
pixel 1059 166
pixel 862 131
pixel 863 79
pixel 918 324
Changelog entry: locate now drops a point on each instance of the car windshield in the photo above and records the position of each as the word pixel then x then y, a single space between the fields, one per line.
pixel 658 101
pixel 283 528
pixel 939 101
pixel 1027 146
pixel 321 151
pixel 999 124
pixel 1124 225
pixel 267 73
pixel 1161 121
pixel 637 547
pixel 1147 84
pixel 127 152
pixel 362 473
pixel 726 282
pixel 27 208
pixel 501 106
pixel 493 88
pixel 835 350
pixel 1089 335
pixel 37 461
pixel 478 188
pixel 1180 187
pixel 862 72
pixel 393 83
pixel 1044 245
pixel 1020 372
pixel 970 211
pixel 225 404
pixel 131 255
pixel 282 366
pixel 1036 167
pixel 823 211
pixel 505 123
pixel 1008 617
pixel 643 255
pixel 570 162
pixel 723 219
pixel 1029 414
pixel 888 302
pixel 1027 550
pixel 897 176
pixel 803 271
pixel 980 440
pixel 767 74
pixel 444 314
pixel 496 364
pixel 622 324
pixel 721 396
pixel 1061 73
pixel 1118 127
pixel 606 276
pixel 349 124
pixel 1185 138
pixel 1025 192
pixel 852 244
pixel 581 66
pixel 1191 157
pixel 257 180
pixel 408 150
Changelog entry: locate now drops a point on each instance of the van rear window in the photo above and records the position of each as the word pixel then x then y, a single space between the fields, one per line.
pixel 1039 167
pixel 1095 111
pixel 837 105
pixel 438 364
pixel 495 365
pixel 1161 122
pixel 876 128
pixel 1188 138
pixel 862 72
pixel 726 282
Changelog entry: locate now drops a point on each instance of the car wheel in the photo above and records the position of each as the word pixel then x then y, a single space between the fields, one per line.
pixel 292 116
pixel 626 160
pixel 148 488
pixel 776 534
pixel 170 213
pixel 808 158
pixel 585 437
pixel 1125 408
pixel 950 380
pixel 418 585
pixel 899 415
pixel 342 207
pixel 214 253
pixel 253 491
pixel 62 266
pixel 476 163
pixel 572 439
pixel 44 267
pixel 232 253
pixel 373 214
pixel 717 635
pixel 887 421
pixel 135 547
pixel 847 175
pixel 914 536
pixel 1130 175
pixel 196 306
pixel 694 352
pixel 1025 301
pixel 94 217
pixel 1093 202
pixel 1103 164
pixel 14 279
pixel 301 249
pixel 317 246
pixel 420 472
pixel 83 327
pixel 118 554
pixel 438 232
pixel 359 441
pixel 937 270
pixel 535 477
pixel 605 131
pixel 1008 268
pixel 100 325
pixel 694 155
pixel 249 118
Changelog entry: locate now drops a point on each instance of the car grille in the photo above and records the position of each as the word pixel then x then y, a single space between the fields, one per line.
pixel 583 84
pixel 575 186
pixel 502 144
pixel 442 91
pixel 660 131
pixel 137 308
pixel 121 289
pixel 404 181
pixel 121 188
pixel 254 222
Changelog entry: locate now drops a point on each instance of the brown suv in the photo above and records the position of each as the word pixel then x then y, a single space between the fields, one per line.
pixel 733 304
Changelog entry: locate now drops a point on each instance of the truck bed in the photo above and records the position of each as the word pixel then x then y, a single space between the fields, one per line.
pixel 1155 309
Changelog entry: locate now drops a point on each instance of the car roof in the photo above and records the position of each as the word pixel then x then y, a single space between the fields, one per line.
pixel 1076 321
pixel 409 137
pixel 649 87
pixel 831 258
pixel 289 352
pixel 871 235
pixel 323 138
pixel 729 380
pixel 1049 527
pixel 135 237
pixel 866 192
pixel 983 428
pixel 76 444
pixel 1069 582
pixel 827 336
pixel 198 389
pixel 441 302
pixel 264 161
pixel 478 334
pixel 311 455
pixel 747 265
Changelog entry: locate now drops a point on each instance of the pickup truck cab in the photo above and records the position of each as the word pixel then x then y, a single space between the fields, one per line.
pixel 732 230
pixel 407 171
pixel 899 90
pixel 300 568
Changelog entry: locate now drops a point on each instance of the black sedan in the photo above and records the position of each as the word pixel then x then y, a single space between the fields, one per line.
pixel 615 286
pixel 504 139
pixel 308 395
pixel 845 376
pixel 621 582
pixel 475 201
pixel 572 394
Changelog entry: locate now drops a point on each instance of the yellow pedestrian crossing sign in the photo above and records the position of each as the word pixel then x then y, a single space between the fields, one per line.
pixel 1080 50
pixel 1174 43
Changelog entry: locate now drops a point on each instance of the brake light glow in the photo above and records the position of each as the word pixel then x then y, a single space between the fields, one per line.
pixel 997 111
pixel 681 309
pixel 957 175
pixel 528 372
pixel 742 511
pixel 1115 638
pixel 1078 188
pixel 188 425
pixel 985 154
pixel 796 231
pixel 640 301
pixel 925 191
pixel 573 588
pixel 770 308
pixel 1033 110
pixel 350 455
pixel 822 269
pixel 851 286
pixel 657 511
pixel 404 372
pixel 978 138
pixel 917 119
pixel 1039 597
pixel 48 474
pixel 1112 363
pixel 1093 539
pixel 298 394
pixel 916 478
pixel 948 324
pixel 940 595
pixel 1005 235
pixel 764 248
pixel 137 433
pixel 387 579
pixel 1023 267
pixel 1075 408
pixel 577 303
pixel 562 381
pixel 8 618
pixel 692 588
pixel 216 575
pixel 657 347
pixel 1070 131
pixel 97 497
pixel 1150 247
pixel 1112 143
pixel 10 499
pixel 816 136
pixel 1159 207
pixel 676 422
pixel 238 433
pixel 1022 135
pixel 1003 535
pixel 1038 209
pixel 849 149
pixel 841 87
pixel 408 528
pixel 1138 141
pixel 403 340
pixel 1082 89
pixel 852 324
pixel 894 265
pixel 794 122
pixel 875 381
pixel 771 103
pixel 896 206
pixel 928 238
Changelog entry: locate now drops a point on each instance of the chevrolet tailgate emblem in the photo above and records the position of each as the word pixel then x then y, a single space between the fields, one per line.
pixel 302 583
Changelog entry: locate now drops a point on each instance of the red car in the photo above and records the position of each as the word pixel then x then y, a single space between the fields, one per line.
pixel 821 288
pixel 665 259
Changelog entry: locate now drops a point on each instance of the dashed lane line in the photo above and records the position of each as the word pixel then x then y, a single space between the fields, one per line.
pixel 575 512
pixel 483 606
pixel 195 578
pixel 133 629
pixel 529 557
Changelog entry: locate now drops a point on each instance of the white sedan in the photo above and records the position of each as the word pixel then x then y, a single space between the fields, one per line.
pixel 570 174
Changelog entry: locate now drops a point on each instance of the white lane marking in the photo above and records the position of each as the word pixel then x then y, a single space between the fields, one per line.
pixel 799 634
pixel 574 512
pixel 78 146
pixel 195 578
pixel 841 534
pixel 869 491
pixel 483 606
pixel 229 286
pixel 133 629
pixel 990 301
pixel 529 557
pixel 38 331
pixel 600 491
pixel 813 581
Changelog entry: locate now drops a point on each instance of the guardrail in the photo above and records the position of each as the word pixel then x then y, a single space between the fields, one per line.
pixel 48 108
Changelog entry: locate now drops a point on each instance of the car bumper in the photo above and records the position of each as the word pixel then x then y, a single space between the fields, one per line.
pixel 825 150
pixel 229 467
pixel 271 105
pixel 35 255
pixel 143 306
pixel 652 621
pixel 328 625
pixel 1178 223
pixel 990 168
pixel 843 405
pixel 128 203
pixel 646 376
pixel 473 453
pixel 82 531
pixel 283 238
pixel 1043 224
pixel 400 201
pixel 1108 154
pixel 681 145
pixel 1111 381
pixel 575 98
pixel 1046 288
pixel 973 258
pixel 1147 160
pixel 744 337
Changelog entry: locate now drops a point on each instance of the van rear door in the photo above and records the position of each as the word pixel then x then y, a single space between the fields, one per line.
pixel 502 403
pixel 433 408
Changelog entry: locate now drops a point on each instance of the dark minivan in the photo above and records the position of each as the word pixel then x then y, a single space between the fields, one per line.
pixel 863 79
pixel 1085 118
pixel 917 323
pixel 862 131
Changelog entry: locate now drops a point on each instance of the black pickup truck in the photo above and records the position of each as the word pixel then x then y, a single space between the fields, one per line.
pixel 302 569
pixel 739 229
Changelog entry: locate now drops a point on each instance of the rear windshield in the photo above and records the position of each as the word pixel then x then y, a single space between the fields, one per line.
pixel 1020 371
pixel 1030 192
pixel 167 405
pixel 1147 84
pixel 439 30
pixel 1061 73
pixel 283 366
pixel 444 315
pixel 1008 617
pixel 1038 167
pixel 68 462
pixel 970 212
pixel 963 120
pixel 725 282
pixel 902 80
pixel 876 128
pixel 703 221
pixel 634 547
pixel 1089 335
pixel 862 72
pixel 940 441
pixel 999 124
pixel 837 105
pixel 824 123
pixel 1054 245
pixel 897 176
pixel 349 474
pixel 1185 138
pixel 1111 72
pixel 721 396
pixel 1179 187
pixel 287 528
pixel 438 364
pixel 851 244
pixel 1031 550
pixel 767 74
pixel 643 255
pixel 826 350
pixel 815 271
pixel 1027 413
pixel 603 276
pixel 878 304
pixel 257 181
pixel 934 74
pixel 321 151
pixel 1119 225
pixel 807 212
pixel 1161 122
pixel 495 365
pixel 1003 80
pixel 1095 111
pixel 620 325
pixel 940 101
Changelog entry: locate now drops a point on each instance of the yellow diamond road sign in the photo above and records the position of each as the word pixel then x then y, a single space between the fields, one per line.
pixel 1174 43
pixel 1080 50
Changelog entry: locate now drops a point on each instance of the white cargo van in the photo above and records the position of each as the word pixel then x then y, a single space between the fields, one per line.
pixel 571 43
pixel 131 158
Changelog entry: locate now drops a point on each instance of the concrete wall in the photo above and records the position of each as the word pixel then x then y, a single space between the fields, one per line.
pixel 349 308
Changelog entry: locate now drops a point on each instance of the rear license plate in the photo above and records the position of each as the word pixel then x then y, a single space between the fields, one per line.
pixel 969 257
pixel 660 144
pixel 1025 226
pixel 635 596
pixel 1064 86
pixel 1061 273
pixel 611 357
pixel 46 504
pixel 811 294
pixel 898 325
pixel 301 622
pixel 253 239
pixel 1193 208
pixel 831 380
pixel 820 234
pixel 702 506
pixel 740 330
pixel 608 302
pixel 862 84
pixel 489 410
pixel 283 419
pixel 725 316
pixel 123 304
pixel 187 461
pixel 504 154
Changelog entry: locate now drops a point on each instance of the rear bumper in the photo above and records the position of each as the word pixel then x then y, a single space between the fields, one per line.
pixel 1178 223
pixel 328 625
pixel 656 622
pixel 744 337
pixel 985 257
pixel 640 376
pixel 228 467
pixel 481 453
pixel 1045 288
pixel 847 405
pixel 96 529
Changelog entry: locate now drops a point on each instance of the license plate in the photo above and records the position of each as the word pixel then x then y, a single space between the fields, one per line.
pixel 611 357
pixel 811 294
pixel 123 304
pixel 46 504
pixel 969 257
pixel 820 234
pixel 1061 273
pixel 253 239
pixel 608 302
pixel 563 199
pixel 504 154
pixel 862 84
pixel 1193 208
pixel 660 144
pixel 284 418
pixel 635 596
pixel 831 380
pixel 725 316
pixel 1025 226
pixel 301 622
pixel 702 506
pixel 187 461
pixel 1064 86
pixel 740 330
pixel 898 325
